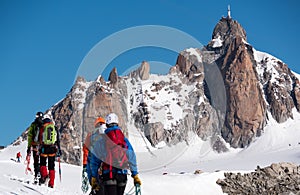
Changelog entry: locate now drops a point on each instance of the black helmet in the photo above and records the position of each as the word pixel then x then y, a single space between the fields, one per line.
pixel 39 115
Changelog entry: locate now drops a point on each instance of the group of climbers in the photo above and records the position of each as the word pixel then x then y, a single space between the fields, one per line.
pixel 44 144
pixel 107 154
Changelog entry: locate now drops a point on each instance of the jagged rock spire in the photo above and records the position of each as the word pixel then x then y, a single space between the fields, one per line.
pixel 113 77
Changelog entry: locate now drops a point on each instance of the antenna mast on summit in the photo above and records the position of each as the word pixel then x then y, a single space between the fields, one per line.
pixel 228 12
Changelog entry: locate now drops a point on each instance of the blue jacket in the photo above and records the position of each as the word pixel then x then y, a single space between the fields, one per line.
pixel 98 154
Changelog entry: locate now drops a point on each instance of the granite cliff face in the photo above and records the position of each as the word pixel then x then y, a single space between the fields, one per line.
pixel 224 92
pixel 256 84
pixel 246 108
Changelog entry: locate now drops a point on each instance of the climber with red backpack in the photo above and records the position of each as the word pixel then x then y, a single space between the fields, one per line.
pixel 113 156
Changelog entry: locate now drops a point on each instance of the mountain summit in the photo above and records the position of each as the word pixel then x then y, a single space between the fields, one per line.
pixel 160 110
pixel 257 84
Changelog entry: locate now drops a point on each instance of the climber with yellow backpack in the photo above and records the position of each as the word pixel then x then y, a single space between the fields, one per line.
pixel 49 149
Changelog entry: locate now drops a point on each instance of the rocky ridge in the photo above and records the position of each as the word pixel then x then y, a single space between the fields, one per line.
pixel 280 178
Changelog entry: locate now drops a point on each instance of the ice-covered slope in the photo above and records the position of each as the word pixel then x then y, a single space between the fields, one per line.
pixel 279 143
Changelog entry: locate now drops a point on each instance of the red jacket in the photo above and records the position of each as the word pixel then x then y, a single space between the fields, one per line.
pixel 19 155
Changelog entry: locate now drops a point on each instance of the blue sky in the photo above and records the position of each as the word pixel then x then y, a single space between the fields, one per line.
pixel 42 43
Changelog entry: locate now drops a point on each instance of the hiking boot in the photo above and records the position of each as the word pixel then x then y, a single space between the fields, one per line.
pixel 42 180
pixel 37 178
pixel 50 186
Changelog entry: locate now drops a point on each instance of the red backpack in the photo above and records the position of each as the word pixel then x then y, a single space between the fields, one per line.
pixel 116 148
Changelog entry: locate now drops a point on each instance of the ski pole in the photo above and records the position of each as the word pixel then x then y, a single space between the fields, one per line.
pixel 59 169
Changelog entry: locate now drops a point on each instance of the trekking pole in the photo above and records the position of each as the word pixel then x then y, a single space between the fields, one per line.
pixel 138 189
pixel 59 169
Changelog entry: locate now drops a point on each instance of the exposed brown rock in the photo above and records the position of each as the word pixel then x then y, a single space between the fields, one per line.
pixel 281 103
pixel 246 109
pixel 189 64
pixel 296 92
pixel 113 78
pixel 144 70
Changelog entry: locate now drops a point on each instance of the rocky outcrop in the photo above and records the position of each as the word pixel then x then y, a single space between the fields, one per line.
pixel 281 178
pixel 296 93
pixel 189 63
pixel 280 86
pixel 224 33
pixel 113 78
pixel 67 116
pixel 75 114
pixel 143 72
pixel 246 109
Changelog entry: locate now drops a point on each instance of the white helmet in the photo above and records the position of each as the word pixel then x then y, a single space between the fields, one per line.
pixel 112 118
pixel 47 116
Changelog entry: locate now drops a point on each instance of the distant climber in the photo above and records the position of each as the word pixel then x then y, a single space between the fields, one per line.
pixel 19 156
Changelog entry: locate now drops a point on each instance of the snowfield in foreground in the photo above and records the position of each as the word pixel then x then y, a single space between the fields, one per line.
pixel 279 143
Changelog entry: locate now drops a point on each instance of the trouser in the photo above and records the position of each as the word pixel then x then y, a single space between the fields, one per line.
pixel 98 192
pixel 48 152
pixel 36 163
pixel 115 185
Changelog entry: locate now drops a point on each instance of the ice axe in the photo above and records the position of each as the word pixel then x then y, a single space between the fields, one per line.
pixel 27 162
pixel 138 189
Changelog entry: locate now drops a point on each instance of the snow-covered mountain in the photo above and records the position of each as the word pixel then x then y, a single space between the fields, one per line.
pixel 226 95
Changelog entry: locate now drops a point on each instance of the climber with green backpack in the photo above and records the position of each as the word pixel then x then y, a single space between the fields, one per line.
pixel 49 149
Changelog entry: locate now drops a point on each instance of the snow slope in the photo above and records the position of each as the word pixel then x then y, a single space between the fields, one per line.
pixel 279 143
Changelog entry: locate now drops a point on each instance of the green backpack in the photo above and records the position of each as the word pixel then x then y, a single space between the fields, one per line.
pixel 49 134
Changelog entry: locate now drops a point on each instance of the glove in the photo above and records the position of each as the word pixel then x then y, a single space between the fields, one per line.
pixel 58 153
pixel 136 180
pixel 84 169
pixel 94 184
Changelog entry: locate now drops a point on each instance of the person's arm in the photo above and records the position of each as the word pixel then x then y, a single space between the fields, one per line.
pixel 94 165
pixel 30 135
pixel 131 158
pixel 133 164
pixel 58 142
pixel 85 149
